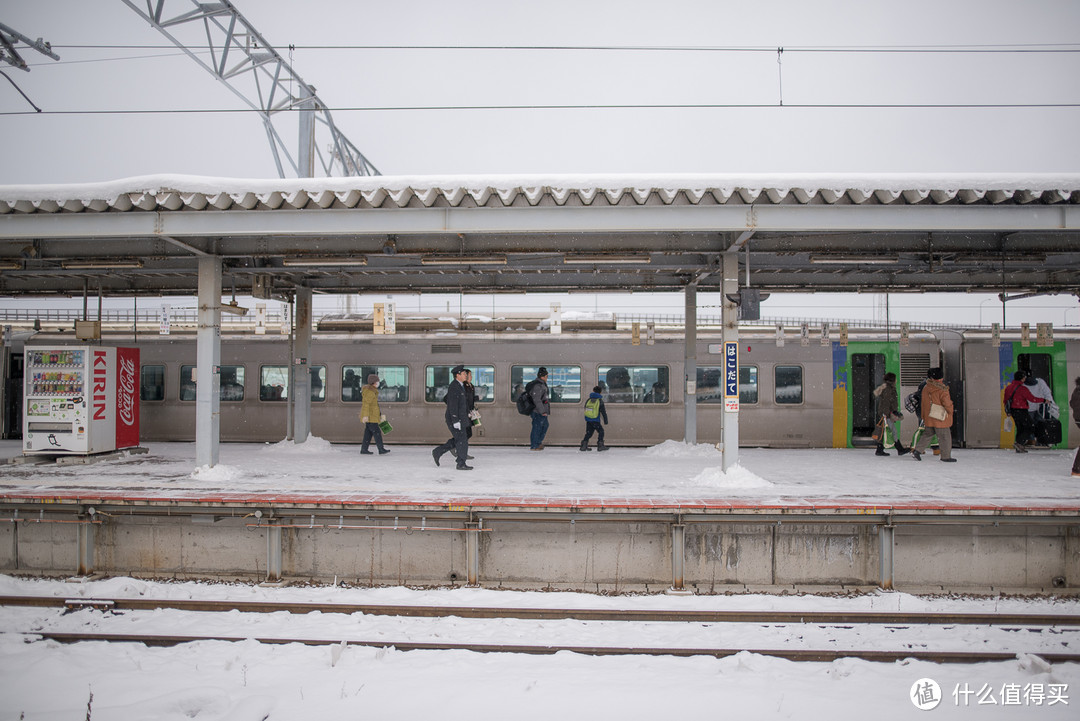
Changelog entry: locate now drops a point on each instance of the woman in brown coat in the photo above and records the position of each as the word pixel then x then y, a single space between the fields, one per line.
pixel 936 396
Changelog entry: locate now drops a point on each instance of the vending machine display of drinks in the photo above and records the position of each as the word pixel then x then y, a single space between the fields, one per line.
pixel 80 399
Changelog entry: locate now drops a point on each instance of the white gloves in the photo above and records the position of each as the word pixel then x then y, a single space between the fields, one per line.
pixel 457 425
pixel 382 418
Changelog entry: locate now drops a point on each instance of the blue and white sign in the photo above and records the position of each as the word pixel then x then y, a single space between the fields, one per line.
pixel 731 376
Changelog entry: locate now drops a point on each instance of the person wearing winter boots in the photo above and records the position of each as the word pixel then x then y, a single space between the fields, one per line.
pixel 594 411
pixel 889 411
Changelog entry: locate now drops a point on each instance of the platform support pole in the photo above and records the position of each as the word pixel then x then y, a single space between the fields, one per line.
pixel 301 387
pixel 472 553
pixel 678 556
pixel 273 553
pixel 887 535
pixel 690 365
pixel 86 535
pixel 208 363
pixel 730 314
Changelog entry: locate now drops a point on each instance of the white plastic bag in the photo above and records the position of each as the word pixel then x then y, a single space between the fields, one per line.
pixel 1009 425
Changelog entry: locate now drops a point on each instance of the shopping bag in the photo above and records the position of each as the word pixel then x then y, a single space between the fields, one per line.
pixel 385 427
pixel 937 412
pixel 1009 424
pixel 879 430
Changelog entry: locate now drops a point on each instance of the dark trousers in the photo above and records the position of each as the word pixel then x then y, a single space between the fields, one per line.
pixel 372 430
pixel 1025 429
pixel 539 429
pixel 1076 460
pixel 459 440
pixel 589 428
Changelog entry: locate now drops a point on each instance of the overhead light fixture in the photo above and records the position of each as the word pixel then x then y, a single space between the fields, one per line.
pixel 102 264
pixel 854 260
pixel 10 265
pixel 604 258
pixel 308 261
pixel 233 308
pixel 463 260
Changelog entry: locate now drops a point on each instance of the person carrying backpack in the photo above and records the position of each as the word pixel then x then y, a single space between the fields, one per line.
pixel 594 411
pixel 537 391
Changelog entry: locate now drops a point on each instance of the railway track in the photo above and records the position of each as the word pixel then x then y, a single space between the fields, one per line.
pixel 577 614
pixel 820 655
pixel 842 621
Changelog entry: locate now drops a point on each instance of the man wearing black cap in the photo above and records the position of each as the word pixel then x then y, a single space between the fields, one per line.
pixel 538 390
pixel 457 420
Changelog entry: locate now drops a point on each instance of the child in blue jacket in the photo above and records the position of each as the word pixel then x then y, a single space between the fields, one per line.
pixel 594 411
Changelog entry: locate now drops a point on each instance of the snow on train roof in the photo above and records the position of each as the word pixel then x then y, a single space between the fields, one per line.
pixel 175 192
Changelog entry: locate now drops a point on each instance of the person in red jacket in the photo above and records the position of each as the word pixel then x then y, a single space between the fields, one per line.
pixel 1017 397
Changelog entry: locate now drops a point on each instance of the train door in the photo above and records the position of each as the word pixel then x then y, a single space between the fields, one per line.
pixel 867 373
pixel 858 368
pixel 1047 362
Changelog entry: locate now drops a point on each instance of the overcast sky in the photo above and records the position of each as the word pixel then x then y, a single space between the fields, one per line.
pixel 678 53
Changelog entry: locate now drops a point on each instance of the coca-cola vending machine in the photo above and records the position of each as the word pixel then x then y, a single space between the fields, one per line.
pixel 80 399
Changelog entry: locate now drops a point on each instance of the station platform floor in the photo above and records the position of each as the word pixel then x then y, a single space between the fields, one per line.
pixel 670 476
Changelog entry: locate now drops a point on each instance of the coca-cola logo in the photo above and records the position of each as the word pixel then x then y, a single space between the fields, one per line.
pixel 126 400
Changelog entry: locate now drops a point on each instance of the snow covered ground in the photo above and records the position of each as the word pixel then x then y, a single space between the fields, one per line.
pixel 247 680
pixel 671 470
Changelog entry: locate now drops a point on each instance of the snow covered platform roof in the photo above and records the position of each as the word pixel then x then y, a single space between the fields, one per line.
pixel 503 233
pixel 170 193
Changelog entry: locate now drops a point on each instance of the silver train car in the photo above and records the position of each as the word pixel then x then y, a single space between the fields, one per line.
pixel 796 389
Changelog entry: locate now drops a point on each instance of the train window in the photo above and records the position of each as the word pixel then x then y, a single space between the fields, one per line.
pixel 231 383
pixel 788 385
pixel 393 382
pixel 710 385
pixel 152 383
pixel 438 379
pixel 564 382
pixel 318 382
pixel 274 383
pixel 1036 364
pixel 634 384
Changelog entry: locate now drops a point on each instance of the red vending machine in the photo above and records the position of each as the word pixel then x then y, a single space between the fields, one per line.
pixel 81 399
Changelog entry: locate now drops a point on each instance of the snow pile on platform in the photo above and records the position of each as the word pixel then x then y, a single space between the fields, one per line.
pixel 681 449
pixel 737 477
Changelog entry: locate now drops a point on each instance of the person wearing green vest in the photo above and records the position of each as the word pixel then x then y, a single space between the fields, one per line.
pixel 594 411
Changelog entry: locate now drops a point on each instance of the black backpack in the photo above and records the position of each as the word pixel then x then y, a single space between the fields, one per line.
pixel 525 405
pixel 913 401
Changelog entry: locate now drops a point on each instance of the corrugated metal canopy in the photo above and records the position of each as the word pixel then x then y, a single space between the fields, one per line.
pixel 503 233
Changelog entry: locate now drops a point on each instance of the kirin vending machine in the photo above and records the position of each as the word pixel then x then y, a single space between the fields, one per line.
pixel 80 399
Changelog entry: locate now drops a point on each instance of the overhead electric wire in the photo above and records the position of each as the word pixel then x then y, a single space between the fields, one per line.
pixel 609 106
pixel 925 49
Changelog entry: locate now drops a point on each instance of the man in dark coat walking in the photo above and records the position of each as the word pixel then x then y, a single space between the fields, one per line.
pixel 457 420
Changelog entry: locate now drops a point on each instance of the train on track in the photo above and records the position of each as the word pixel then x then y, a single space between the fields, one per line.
pixel 799 386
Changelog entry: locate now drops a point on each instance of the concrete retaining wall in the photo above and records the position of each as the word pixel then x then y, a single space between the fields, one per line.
pixel 601 554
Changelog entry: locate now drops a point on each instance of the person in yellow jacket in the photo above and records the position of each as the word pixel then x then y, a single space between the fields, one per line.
pixel 937 413
pixel 371 415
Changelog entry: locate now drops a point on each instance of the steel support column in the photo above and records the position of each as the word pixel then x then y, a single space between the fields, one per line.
pixel 887 535
pixel 208 363
pixel 301 362
pixel 472 553
pixel 85 536
pixel 678 555
pixel 730 316
pixel 273 553
pixel 690 365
